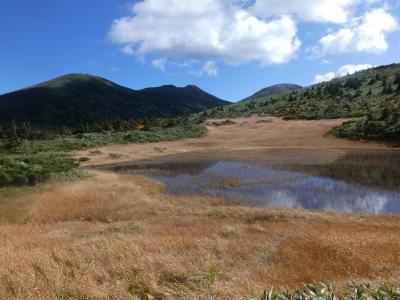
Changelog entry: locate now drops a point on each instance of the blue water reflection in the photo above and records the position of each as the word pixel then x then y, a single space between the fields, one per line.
pixel 248 184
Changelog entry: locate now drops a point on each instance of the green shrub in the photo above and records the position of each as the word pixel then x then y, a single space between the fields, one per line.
pixel 223 123
pixel 383 124
pixel 31 170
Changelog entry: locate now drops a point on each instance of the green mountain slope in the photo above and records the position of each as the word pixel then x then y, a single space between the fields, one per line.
pixel 276 89
pixel 78 98
pixel 372 94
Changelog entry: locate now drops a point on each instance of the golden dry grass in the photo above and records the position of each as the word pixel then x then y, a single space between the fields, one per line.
pixel 120 237
pixel 229 182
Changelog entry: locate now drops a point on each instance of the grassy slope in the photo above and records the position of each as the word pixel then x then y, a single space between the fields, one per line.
pixel 335 99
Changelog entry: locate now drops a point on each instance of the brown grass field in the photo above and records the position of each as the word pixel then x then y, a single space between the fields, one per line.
pixel 116 236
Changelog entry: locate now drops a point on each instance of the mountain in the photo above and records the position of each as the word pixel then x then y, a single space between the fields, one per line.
pixel 79 98
pixel 276 89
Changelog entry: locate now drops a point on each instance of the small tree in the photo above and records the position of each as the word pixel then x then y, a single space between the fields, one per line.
pixel 372 81
pixel 387 89
pixel 397 79
pixel 2 132
pixel 353 83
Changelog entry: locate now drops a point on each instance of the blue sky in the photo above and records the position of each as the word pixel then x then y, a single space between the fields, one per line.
pixel 230 48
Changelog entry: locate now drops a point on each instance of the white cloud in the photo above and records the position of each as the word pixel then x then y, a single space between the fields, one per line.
pixel 343 71
pixel 159 63
pixel 207 30
pixel 335 11
pixel 367 34
pixel 210 68
pixel 324 77
pixel 128 50
pixel 351 69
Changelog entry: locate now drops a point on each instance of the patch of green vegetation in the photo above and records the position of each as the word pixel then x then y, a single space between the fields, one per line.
pixel 25 160
pixel 326 292
pixel 72 142
pixel 382 125
pixel 33 169
pixel 206 276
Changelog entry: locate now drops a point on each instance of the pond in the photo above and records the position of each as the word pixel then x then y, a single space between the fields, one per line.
pixel 362 183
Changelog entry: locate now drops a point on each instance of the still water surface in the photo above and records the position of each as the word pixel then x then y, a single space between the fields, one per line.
pixel 356 183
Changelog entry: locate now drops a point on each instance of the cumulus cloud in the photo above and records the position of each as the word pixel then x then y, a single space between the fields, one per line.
pixel 324 77
pixel 343 71
pixel 367 34
pixel 236 32
pixel 159 63
pixel 207 30
pixel 335 11
pixel 210 68
pixel 128 50
pixel 351 69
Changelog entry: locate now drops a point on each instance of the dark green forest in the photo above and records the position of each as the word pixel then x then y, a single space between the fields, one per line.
pixel 77 99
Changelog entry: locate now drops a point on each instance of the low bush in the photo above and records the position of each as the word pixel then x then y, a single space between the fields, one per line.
pixel 383 125
pixel 31 170
pixel 223 123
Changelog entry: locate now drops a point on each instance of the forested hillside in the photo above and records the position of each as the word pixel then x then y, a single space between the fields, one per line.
pixel 78 100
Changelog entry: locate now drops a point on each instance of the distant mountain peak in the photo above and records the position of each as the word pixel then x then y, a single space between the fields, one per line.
pixel 80 78
pixel 192 86
pixel 275 89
